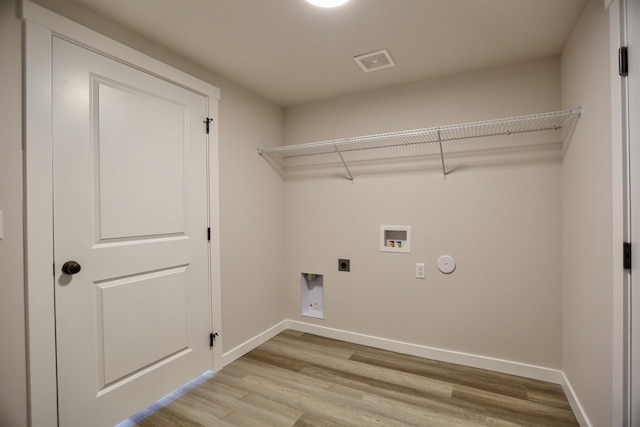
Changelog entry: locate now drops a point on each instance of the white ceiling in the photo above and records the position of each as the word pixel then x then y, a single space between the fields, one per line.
pixel 292 53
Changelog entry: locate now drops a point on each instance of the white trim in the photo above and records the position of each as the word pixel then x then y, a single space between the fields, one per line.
pixel 40 26
pixel 482 362
pixel 254 342
pixel 83 36
pixel 472 360
pixel 577 408
pixel 475 361
pixel 41 355
pixel 621 226
pixel 214 224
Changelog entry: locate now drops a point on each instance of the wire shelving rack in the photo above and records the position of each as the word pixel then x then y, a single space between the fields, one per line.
pixel 551 121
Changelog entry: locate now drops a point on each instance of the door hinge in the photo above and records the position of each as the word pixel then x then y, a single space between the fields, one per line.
pixel 623 61
pixel 209 234
pixel 212 337
pixel 206 122
pixel 627 255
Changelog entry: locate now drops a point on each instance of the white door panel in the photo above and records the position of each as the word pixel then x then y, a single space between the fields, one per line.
pixel 131 342
pixel 130 206
pixel 155 199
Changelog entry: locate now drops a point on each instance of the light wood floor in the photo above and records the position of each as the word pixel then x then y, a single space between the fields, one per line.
pixel 298 379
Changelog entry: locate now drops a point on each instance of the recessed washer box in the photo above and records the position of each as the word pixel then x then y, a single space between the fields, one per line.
pixel 395 238
pixel 312 292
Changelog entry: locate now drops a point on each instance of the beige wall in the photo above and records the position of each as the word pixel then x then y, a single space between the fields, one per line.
pixel 500 220
pixel 251 196
pixel 587 217
pixel 252 218
pixel 502 92
pixel 13 394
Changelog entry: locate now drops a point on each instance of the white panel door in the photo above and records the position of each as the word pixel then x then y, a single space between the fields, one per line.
pixel 130 208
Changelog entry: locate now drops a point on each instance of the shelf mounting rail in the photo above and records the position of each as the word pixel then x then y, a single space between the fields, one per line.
pixel 434 135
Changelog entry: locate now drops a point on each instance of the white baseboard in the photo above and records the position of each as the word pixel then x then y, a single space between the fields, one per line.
pixel 578 410
pixel 475 361
pixel 252 343
pixel 482 362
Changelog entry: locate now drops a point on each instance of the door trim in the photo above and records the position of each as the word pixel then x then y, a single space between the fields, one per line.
pixel 40 25
pixel 621 279
pixel 629 36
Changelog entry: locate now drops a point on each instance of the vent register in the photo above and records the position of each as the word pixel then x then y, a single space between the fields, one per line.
pixel 373 61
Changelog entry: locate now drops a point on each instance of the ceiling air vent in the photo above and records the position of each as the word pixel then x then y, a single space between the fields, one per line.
pixel 374 60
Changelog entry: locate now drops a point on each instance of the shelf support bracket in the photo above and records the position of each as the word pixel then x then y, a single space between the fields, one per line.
pixel 350 177
pixel 444 170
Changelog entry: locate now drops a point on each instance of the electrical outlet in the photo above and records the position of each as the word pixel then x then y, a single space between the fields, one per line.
pixel 344 265
pixel 420 270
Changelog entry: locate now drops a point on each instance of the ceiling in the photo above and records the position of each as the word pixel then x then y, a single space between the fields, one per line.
pixel 293 53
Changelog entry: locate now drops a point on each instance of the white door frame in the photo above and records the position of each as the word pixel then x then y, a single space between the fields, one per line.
pixel 40 25
pixel 630 35
pixel 622 231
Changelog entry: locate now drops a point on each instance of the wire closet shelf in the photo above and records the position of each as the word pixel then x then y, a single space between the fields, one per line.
pixel 435 135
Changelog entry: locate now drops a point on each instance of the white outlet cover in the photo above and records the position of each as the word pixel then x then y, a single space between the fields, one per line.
pixel 420 270
pixel 446 264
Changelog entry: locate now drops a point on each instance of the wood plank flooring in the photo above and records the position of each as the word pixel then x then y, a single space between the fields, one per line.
pixel 297 379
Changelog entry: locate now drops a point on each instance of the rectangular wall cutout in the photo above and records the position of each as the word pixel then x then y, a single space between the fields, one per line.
pixel 312 290
pixel 395 238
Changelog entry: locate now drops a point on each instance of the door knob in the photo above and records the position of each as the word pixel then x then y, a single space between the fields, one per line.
pixel 71 267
